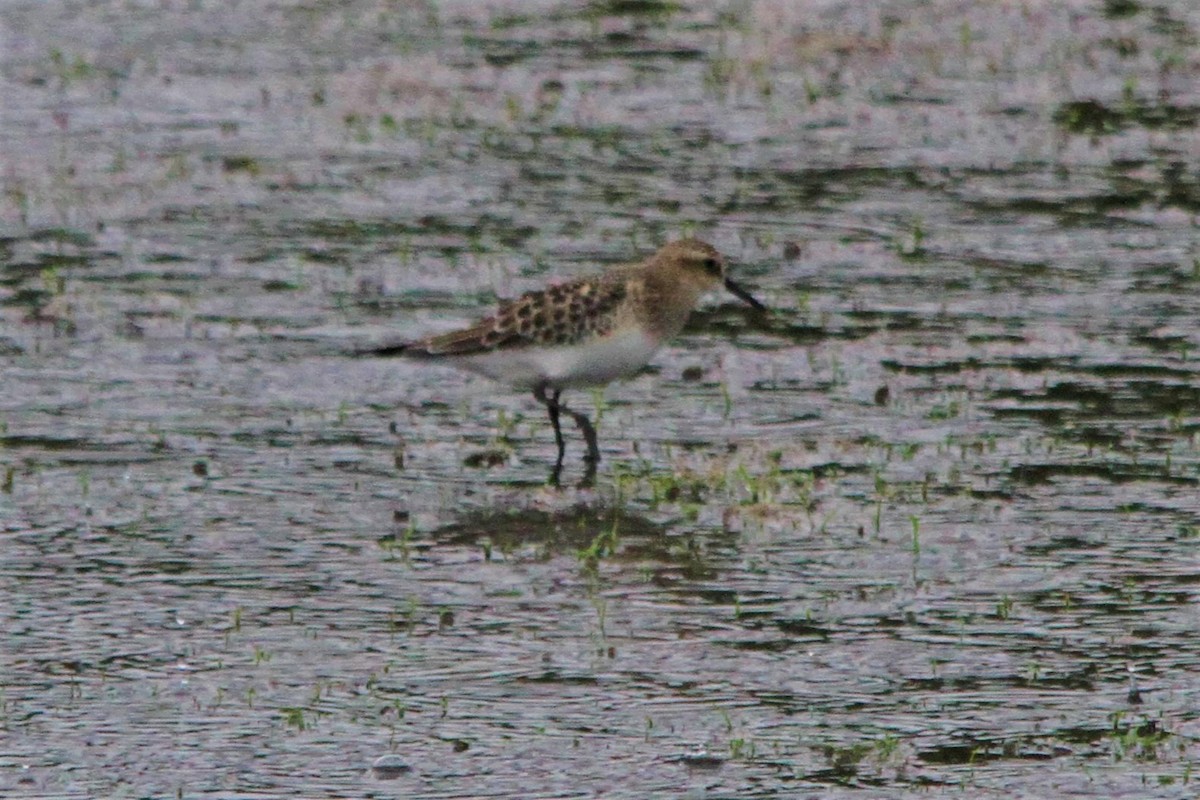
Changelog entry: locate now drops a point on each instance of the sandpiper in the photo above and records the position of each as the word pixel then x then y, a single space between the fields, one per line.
pixel 586 332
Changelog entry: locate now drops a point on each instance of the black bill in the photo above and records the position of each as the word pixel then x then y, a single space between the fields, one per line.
pixel 743 295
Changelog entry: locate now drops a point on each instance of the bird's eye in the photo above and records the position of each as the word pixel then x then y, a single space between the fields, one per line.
pixel 712 266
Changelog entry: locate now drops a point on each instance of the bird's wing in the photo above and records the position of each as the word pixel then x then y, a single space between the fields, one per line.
pixel 561 314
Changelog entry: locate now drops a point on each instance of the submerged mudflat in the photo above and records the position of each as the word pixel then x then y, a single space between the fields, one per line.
pixel 933 526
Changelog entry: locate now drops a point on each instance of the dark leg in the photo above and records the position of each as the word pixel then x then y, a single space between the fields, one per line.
pixel 589 435
pixel 592 457
pixel 552 408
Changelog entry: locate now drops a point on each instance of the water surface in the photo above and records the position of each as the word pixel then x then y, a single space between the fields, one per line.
pixel 932 527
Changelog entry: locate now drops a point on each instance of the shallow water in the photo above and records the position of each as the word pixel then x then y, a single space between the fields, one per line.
pixel 930 527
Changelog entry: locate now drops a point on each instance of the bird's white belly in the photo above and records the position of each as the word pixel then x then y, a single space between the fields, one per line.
pixel 591 363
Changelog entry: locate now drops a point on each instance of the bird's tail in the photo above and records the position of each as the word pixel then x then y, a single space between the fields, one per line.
pixel 385 351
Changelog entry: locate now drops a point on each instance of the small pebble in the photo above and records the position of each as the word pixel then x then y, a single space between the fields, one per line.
pixel 389 767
